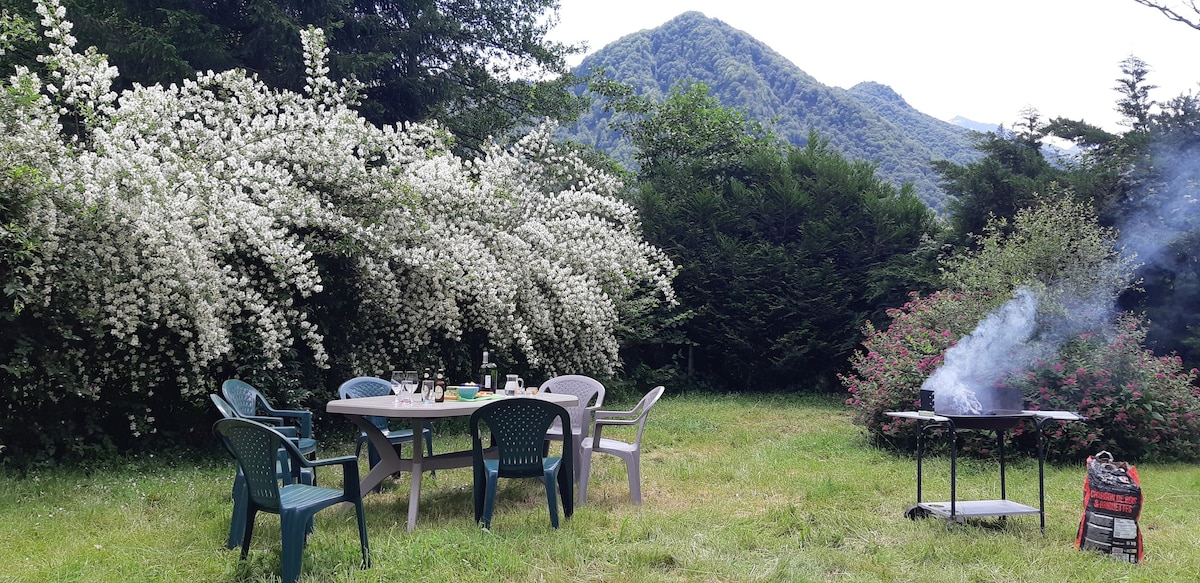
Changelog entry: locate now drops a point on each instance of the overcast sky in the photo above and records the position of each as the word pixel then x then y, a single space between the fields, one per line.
pixel 983 60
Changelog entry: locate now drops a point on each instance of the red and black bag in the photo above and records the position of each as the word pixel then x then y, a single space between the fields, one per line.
pixel 1112 504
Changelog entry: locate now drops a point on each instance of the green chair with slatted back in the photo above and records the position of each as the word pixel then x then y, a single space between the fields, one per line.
pixel 256 448
pixel 251 403
pixel 518 429
pixel 285 470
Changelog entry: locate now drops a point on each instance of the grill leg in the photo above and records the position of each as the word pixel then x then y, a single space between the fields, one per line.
pixel 1000 446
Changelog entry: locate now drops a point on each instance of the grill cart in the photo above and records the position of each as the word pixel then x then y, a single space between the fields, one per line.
pixel 958 510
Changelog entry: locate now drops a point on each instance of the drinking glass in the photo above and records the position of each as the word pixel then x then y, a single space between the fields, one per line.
pixel 397 386
pixel 404 383
pixel 427 391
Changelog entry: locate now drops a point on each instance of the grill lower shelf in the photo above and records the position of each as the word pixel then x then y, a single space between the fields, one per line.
pixel 974 508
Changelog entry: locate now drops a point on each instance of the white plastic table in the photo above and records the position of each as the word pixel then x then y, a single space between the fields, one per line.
pixel 356 410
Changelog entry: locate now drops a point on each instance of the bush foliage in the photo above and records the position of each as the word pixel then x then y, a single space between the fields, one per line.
pixel 1139 406
pixel 176 236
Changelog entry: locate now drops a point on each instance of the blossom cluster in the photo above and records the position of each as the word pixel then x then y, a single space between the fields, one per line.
pixel 194 227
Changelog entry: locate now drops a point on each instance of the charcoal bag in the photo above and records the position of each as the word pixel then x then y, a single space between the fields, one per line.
pixel 1112 504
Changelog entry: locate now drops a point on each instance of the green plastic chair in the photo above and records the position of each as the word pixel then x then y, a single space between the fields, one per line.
pixel 255 447
pixel 248 402
pixel 284 470
pixel 518 429
pixel 359 387
pixel 307 445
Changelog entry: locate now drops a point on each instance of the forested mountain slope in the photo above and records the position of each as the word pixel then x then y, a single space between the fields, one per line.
pixel 869 121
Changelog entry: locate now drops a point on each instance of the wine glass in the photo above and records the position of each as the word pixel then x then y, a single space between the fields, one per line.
pixel 398 386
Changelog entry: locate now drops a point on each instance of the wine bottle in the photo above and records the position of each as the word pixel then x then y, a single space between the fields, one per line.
pixel 489 375
pixel 439 386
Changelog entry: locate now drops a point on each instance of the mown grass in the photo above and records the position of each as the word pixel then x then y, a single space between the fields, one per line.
pixel 737 488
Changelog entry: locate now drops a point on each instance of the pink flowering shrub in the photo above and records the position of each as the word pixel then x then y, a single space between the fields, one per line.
pixel 889 373
pixel 1139 406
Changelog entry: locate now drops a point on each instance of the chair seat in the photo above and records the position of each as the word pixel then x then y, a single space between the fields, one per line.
pixel 305 496
pixel 555 433
pixel 395 435
pixel 612 446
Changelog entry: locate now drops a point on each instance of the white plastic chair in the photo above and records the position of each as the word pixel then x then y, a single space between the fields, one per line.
pixel 630 452
pixel 585 389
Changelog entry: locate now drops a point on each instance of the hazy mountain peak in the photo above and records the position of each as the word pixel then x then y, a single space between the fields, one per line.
pixel 869 121
pixel 880 91
pixel 973 125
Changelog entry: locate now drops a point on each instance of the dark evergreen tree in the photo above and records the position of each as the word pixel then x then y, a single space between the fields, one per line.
pixel 1005 180
pixel 783 251
pixel 1160 221
pixel 1135 103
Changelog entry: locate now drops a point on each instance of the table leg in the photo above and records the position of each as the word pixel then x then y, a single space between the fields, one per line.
pixel 414 495
pixel 389 458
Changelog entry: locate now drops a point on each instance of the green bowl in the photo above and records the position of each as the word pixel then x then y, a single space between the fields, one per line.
pixel 467 393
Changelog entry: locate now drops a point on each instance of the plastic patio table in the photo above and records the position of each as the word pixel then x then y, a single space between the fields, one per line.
pixel 356 410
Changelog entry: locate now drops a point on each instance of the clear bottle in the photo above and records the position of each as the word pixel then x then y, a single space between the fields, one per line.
pixel 439 386
pixel 489 375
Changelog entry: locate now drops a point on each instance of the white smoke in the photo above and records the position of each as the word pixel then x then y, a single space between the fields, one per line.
pixel 1166 208
pixel 999 345
pixel 1012 338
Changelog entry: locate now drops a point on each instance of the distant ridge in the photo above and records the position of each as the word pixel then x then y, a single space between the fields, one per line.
pixel 869 121
pixel 974 125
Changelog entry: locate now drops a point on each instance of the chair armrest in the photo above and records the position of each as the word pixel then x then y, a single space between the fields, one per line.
pixel 616 422
pixel 615 414
pixel 274 421
pixel 349 465
pixel 600 422
pixel 305 418
pixel 332 461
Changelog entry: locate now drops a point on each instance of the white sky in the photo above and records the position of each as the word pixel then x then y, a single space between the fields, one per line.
pixel 983 60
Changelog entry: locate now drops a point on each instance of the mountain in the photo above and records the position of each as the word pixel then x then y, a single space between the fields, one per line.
pixel 869 121
pixel 973 125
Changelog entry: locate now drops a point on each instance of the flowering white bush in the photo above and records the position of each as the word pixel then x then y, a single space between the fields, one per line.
pixel 188 218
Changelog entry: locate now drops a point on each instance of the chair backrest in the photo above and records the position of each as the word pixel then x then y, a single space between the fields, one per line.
pixel 227 410
pixel 359 387
pixel 644 405
pixel 518 427
pixel 585 388
pixel 256 448
pixel 243 397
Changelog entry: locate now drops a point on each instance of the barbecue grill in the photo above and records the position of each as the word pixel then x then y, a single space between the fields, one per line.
pixel 998 420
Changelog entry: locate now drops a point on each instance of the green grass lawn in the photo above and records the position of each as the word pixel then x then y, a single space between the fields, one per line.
pixel 736 488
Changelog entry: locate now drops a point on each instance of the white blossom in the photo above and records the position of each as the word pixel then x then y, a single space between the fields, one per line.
pixel 190 214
